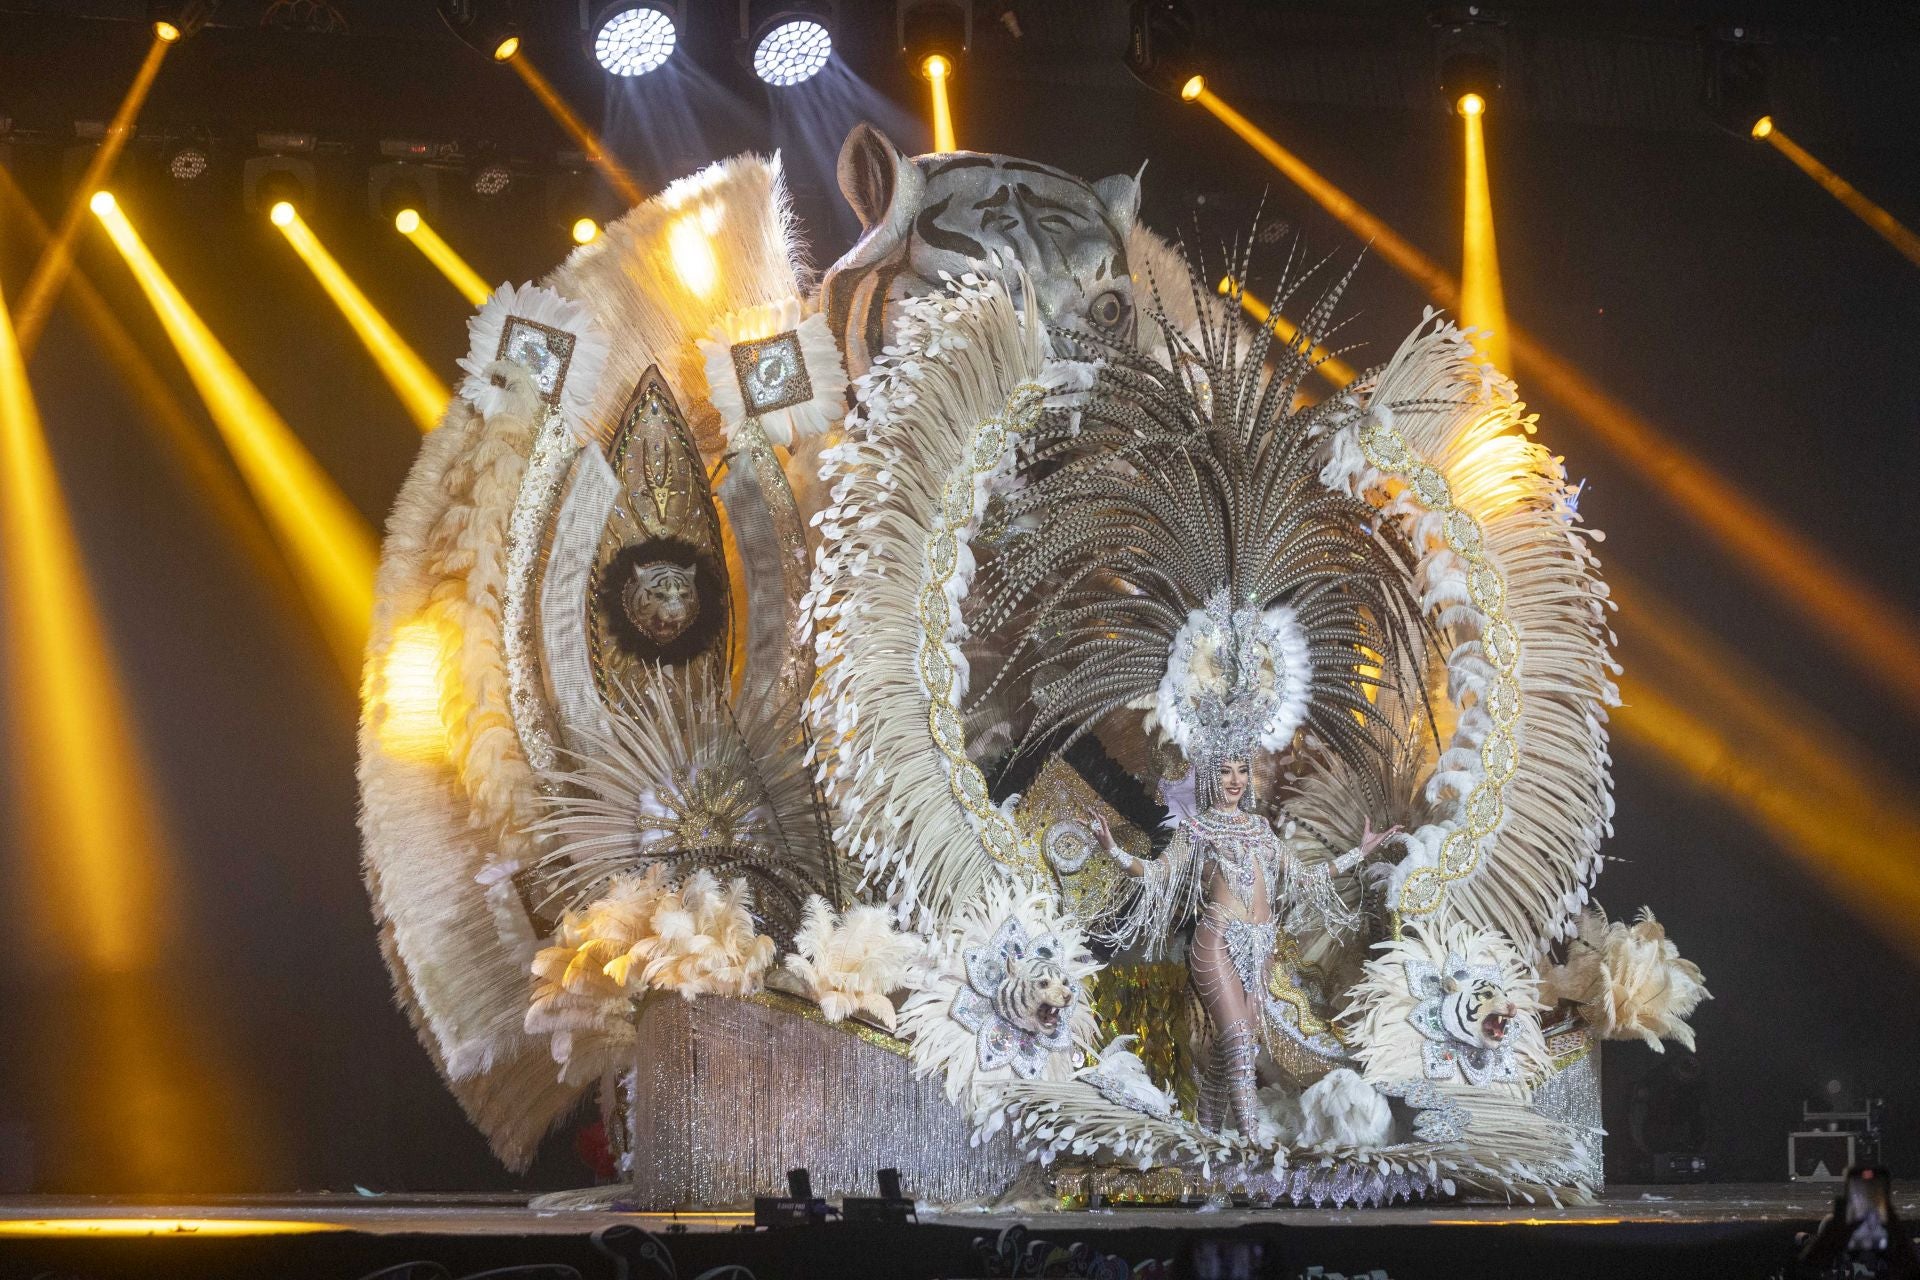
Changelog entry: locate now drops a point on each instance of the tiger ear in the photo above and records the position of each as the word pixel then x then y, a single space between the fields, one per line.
pixel 1120 196
pixel 875 176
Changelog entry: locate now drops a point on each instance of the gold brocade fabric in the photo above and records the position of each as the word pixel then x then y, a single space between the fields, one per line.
pixel 1053 814
pixel 1152 1003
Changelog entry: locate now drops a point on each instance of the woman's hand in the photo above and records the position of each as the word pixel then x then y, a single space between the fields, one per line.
pixel 1370 839
pixel 1104 834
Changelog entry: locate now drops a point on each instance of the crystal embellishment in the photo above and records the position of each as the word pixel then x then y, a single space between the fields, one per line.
pixel 772 373
pixel 543 351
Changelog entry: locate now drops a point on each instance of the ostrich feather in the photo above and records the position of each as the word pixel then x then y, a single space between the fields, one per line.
pixel 955 361
pixel 849 962
pixel 1464 421
pixel 1172 481
pixel 679 780
pixel 1628 981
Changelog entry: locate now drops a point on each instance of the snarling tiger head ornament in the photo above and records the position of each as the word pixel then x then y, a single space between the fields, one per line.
pixel 1454 1004
pixel 952 212
pixel 1005 996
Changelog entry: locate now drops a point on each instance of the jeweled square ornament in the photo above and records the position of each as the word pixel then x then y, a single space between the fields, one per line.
pixel 772 373
pixel 541 350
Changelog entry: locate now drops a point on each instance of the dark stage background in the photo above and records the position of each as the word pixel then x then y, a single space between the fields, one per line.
pixel 1697 276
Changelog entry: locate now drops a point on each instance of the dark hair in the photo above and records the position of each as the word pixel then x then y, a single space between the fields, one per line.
pixel 709 587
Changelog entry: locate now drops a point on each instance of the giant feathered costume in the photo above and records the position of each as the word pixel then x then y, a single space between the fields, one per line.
pixel 1075 528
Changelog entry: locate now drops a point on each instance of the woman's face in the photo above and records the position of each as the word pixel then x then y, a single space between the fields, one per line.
pixel 1234 775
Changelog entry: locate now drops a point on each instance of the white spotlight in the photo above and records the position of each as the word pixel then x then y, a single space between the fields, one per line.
pixel 631 40
pixel 792 51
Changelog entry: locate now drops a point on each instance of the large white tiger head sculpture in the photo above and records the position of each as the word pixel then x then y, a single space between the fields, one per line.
pixel 1450 1004
pixel 953 211
pixel 1004 995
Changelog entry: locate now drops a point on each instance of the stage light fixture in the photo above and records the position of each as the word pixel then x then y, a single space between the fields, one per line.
pixel 585 231
pixel 188 161
pixel 1470 56
pixel 175 20
pixel 491 27
pixel 491 180
pixel 1163 39
pixel 634 39
pixel 489 175
pixel 790 43
pixel 1735 93
pixel 393 187
pixel 934 29
pixel 284 173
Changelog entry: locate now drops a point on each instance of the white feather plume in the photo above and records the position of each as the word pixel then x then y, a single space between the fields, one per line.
pixel 820 358
pixel 849 962
pixel 548 308
pixel 1628 981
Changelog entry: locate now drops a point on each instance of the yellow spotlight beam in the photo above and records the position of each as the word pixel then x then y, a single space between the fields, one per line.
pixel 138 1091
pixel 1483 303
pixel 410 224
pixel 1875 632
pixel 938 70
pixel 186 440
pixel 330 545
pixel 584 137
pixel 50 272
pixel 1870 861
pixel 1387 242
pixel 423 394
pixel 1327 365
pixel 1775 729
pixel 85 801
pixel 1840 189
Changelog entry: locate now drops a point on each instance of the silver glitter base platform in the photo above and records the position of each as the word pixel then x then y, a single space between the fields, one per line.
pixel 730 1094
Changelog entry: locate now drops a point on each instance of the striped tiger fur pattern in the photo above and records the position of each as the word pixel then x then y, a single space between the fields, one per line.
pixel 953 212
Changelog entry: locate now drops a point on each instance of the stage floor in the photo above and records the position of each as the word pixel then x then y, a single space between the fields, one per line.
pixel 1730 1230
